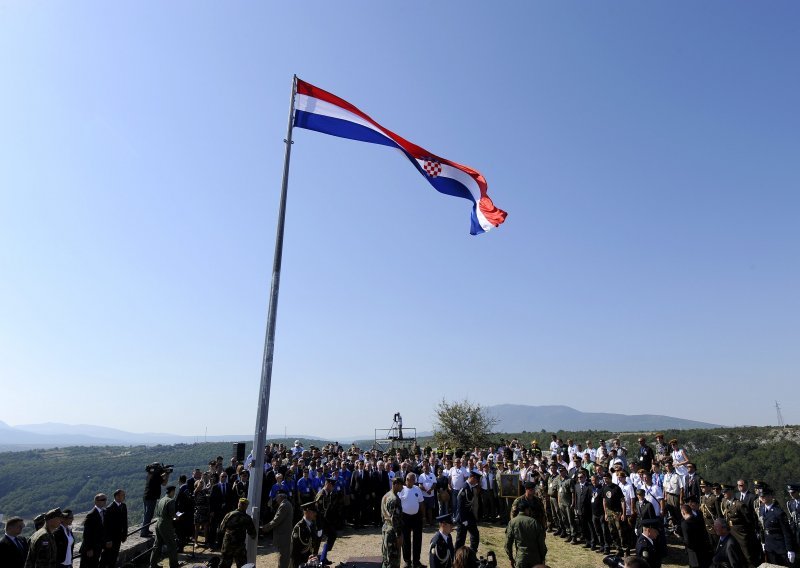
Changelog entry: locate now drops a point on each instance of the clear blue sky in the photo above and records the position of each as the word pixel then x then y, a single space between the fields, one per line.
pixel 647 154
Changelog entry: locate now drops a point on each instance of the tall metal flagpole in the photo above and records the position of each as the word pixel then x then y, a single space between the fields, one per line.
pixel 257 474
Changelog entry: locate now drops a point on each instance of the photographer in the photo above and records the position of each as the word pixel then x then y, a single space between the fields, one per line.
pixel 157 476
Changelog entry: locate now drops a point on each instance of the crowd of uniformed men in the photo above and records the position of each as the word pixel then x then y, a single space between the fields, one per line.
pixel 604 498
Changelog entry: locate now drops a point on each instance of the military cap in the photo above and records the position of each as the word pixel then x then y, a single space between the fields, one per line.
pixel 446 518
pixel 793 487
pixel 758 484
pixel 170 488
pixel 652 523
pixel 703 483
pixel 767 490
pixel 310 506
pixel 244 501
pixel 40 518
pixel 716 485
pixel 475 473
pixel 332 478
pixel 53 514
pixel 67 513
pixel 530 485
pixel 726 487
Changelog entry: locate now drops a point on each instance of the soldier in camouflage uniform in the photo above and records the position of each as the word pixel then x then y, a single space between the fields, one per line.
pixel 305 536
pixel 235 527
pixel 535 504
pixel 42 550
pixel 566 505
pixel 165 530
pixel 392 531
pixel 552 496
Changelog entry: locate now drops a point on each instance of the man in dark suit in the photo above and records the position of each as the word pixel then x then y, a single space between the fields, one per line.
pixel 729 553
pixel 691 484
pixel 116 529
pixel 749 498
pixel 583 508
pixel 13 547
pixel 695 538
pixel 220 504
pixel 93 533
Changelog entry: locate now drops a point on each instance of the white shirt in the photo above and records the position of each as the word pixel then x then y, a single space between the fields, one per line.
pixel 673 482
pixel 70 540
pixel 554 447
pixel 427 481
pixel 410 498
pixel 630 496
pixel 458 477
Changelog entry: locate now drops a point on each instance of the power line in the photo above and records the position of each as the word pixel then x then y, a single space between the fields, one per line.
pixel 780 416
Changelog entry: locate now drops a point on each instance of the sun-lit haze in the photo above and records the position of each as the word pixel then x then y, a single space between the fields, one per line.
pixel 646 153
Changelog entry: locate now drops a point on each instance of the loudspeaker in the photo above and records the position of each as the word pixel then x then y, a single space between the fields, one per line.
pixel 238 451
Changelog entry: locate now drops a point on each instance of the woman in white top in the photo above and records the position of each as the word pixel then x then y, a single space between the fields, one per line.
pixel 679 458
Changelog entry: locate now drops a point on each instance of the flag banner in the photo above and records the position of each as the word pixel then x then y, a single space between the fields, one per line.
pixel 324 112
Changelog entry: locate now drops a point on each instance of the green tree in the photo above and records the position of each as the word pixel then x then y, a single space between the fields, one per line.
pixel 462 425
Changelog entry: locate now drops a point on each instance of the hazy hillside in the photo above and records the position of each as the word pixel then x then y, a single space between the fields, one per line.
pixel 519 418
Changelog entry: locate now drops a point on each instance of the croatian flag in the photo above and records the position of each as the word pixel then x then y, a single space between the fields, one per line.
pixel 322 111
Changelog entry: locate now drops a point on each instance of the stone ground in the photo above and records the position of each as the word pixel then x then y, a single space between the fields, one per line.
pixel 367 543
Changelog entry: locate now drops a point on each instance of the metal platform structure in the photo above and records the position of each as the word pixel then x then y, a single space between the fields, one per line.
pixel 396 437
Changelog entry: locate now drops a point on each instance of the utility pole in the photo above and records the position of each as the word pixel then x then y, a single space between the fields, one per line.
pixel 780 416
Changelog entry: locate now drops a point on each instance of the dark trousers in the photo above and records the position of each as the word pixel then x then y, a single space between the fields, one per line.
pixel 461 535
pixel 600 536
pixel 584 521
pixel 108 559
pixel 93 561
pixel 149 509
pixel 412 526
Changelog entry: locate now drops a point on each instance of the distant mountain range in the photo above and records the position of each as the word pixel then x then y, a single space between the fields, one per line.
pixel 519 418
pixel 511 418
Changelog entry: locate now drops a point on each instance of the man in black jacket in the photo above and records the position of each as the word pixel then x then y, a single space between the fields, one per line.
pixel 116 529
pixel 93 533
pixel 729 553
pixel 220 503
pixel 13 547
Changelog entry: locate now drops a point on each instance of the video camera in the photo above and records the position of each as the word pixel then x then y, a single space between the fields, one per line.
pixel 614 561
pixel 157 468
pixel 489 562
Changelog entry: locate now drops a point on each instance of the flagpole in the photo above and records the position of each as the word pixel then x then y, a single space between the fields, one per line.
pixel 259 440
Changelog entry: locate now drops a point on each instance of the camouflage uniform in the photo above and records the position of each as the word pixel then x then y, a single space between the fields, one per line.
pixel 42 550
pixel 165 532
pixel 524 543
pixel 235 526
pixel 537 508
pixel 392 515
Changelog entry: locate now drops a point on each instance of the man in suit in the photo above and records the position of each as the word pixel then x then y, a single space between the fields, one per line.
pixel 695 538
pixel 116 529
pixel 65 540
pixel 13 547
pixel 729 553
pixel 94 533
pixel 281 526
pixel 583 509
pixel 465 516
pixel 220 504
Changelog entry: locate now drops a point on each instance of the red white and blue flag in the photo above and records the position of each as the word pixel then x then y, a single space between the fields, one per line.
pixel 322 111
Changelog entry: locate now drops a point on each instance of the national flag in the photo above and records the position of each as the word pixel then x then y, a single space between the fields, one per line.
pixel 316 109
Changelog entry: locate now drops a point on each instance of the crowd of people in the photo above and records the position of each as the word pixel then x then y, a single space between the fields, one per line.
pixel 602 497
